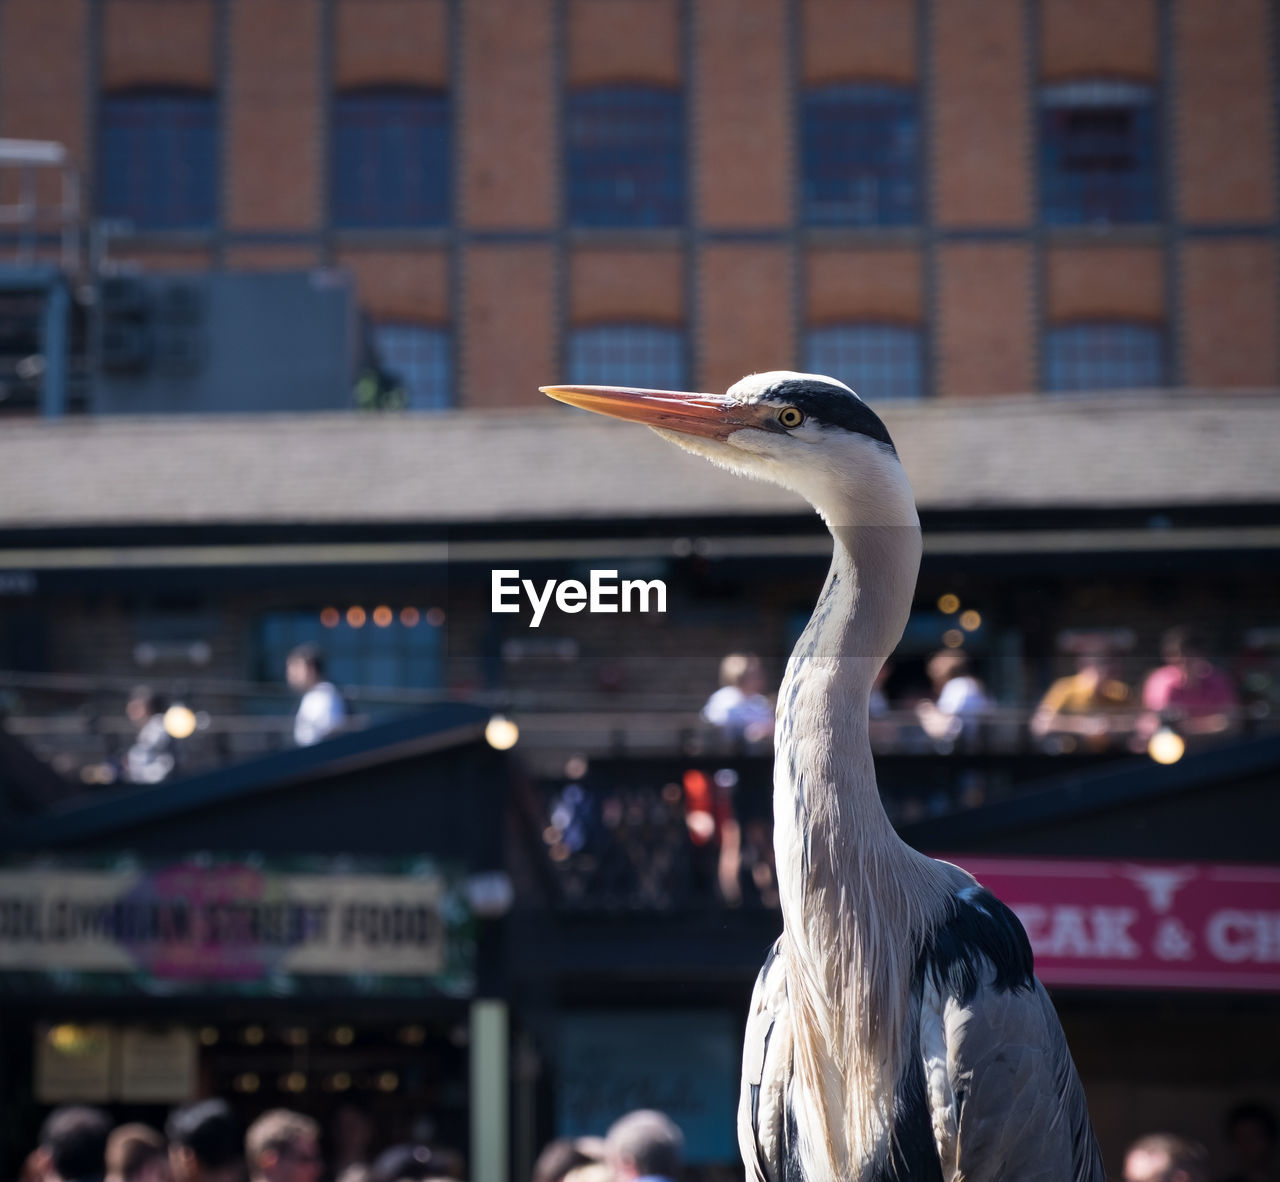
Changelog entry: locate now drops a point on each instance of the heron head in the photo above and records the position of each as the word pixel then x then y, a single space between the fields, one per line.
pixel 807 432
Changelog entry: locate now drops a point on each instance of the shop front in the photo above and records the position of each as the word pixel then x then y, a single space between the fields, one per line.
pixel 312 964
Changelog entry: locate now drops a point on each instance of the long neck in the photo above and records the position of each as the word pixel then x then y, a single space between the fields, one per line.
pixel 856 900
pixel 828 817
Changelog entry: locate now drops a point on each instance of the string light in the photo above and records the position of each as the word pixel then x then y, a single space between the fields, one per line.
pixel 383 616
pixel 948 604
pixel 330 617
pixel 356 616
pixel 970 621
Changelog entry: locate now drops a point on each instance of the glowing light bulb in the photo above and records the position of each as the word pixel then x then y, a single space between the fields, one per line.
pixel 1166 746
pixel 501 734
pixel 180 721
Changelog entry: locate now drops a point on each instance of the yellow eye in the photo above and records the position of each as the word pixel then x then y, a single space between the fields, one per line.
pixel 790 417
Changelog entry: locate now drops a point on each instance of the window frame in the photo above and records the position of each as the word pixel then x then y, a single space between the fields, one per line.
pixel 901 103
pixel 668 204
pixel 165 156
pixel 1055 338
pixel 350 207
pixel 602 371
pixel 897 333
pixel 1066 198
pixel 440 337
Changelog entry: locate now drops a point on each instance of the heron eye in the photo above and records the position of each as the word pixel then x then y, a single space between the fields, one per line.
pixel 790 417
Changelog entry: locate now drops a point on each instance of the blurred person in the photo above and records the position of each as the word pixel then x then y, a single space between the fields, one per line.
pixel 283 1146
pixel 1252 1138
pixel 645 1144
pixel 1187 691
pixel 204 1142
pixel 960 700
pixel 739 707
pixel 73 1144
pixel 152 757
pixel 35 1166
pixel 137 1153
pixel 1093 704
pixel 1163 1157
pixel 322 710
pixel 351 1135
pixel 561 1157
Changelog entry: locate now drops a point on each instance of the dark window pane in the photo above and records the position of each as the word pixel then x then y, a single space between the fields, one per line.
pixel 407 653
pixel 156 159
pixel 643 355
pixel 1098 153
pixel 1114 356
pixel 626 157
pixel 876 360
pixel 860 151
pixel 391 158
pixel 418 358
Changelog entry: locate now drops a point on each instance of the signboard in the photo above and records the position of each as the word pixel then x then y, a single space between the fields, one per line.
pixel 157 1065
pixel 73 1064
pixel 1162 925
pixel 685 1064
pixel 236 925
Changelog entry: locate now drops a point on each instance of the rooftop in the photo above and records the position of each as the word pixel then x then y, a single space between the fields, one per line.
pixel 1114 451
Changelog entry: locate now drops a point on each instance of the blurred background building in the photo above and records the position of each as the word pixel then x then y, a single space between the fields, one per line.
pixel 278 282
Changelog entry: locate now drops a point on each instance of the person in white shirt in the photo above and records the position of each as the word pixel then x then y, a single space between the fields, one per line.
pixel 961 699
pixel 739 707
pixel 322 710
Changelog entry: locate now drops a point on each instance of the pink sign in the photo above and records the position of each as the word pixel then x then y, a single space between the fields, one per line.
pixel 1163 925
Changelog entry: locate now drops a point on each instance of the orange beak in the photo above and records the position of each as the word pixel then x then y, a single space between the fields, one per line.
pixel 711 415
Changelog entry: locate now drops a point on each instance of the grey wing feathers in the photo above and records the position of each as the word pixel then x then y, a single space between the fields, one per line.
pixel 766 1074
pixel 1017 1107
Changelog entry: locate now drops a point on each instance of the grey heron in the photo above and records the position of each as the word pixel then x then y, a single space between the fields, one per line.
pixel 897 1030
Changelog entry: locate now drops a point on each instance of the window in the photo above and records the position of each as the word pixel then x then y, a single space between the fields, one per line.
pixel 860 154
pixel 391 158
pixel 156 160
pixel 645 355
pixel 626 157
pixel 1104 356
pixel 416 358
pixel 1097 153
pixel 876 360
pixel 379 645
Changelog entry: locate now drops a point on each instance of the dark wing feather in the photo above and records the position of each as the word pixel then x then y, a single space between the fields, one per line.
pixel 1005 1099
pixel 766 1075
pixel 1017 1104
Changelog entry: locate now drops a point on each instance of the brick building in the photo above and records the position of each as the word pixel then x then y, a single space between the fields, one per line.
pixel 1037 186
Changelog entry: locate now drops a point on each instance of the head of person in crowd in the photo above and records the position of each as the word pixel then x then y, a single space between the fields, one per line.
pixel 743 671
pixel 73 1141
pixel 1164 1157
pixel 137 1153
pixel 1252 1138
pixel 144 703
pixel 410 1162
pixel 304 668
pixel 644 1144
pixel 283 1146
pixel 564 1155
pixel 946 665
pixel 204 1142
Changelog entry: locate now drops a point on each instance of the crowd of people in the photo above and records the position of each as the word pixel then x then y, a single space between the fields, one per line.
pixel 204 1142
pixel 1092 709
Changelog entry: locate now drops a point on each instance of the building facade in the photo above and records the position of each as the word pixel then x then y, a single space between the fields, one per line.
pixel 976 197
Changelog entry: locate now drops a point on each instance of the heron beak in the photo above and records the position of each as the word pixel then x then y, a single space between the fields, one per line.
pixel 712 416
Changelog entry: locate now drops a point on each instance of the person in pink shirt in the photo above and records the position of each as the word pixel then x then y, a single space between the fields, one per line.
pixel 1187 691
